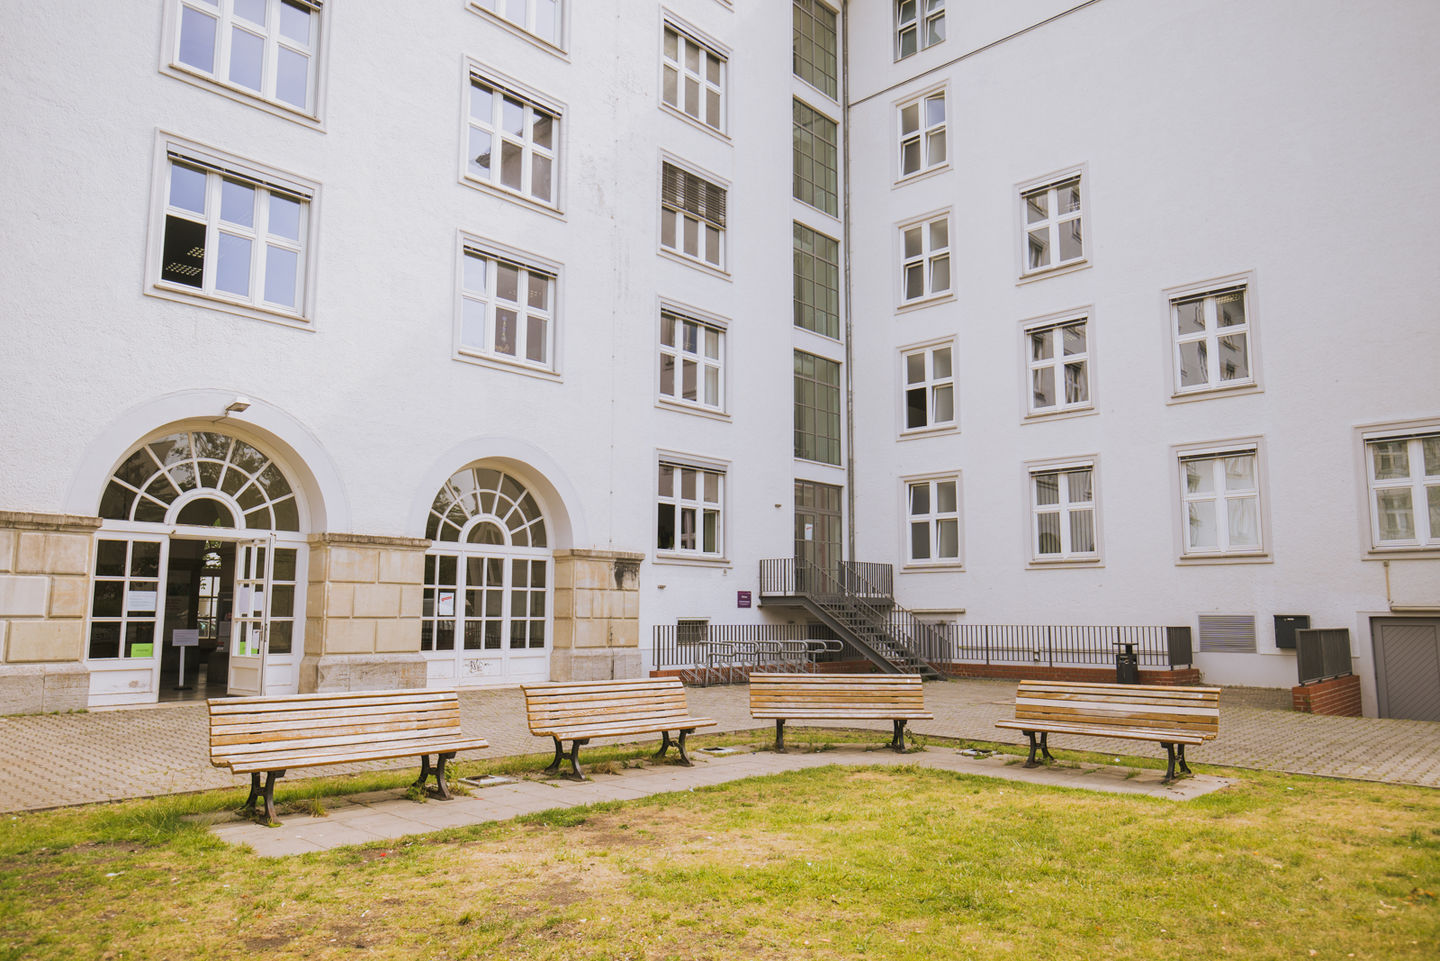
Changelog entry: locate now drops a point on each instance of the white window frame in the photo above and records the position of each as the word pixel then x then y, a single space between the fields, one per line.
pixel 1213 454
pixel 217 79
pixel 932 519
pixel 531 101
pixel 677 218
pixel 1418 482
pixel 1065 509
pixel 676 500
pixel 1057 363
pixel 493 253
pixel 926 259
pixel 704 322
pixel 923 135
pixel 1207 291
pixel 687 35
pixel 495 11
pixel 924 15
pixel 930 383
pixel 802 8
pixel 218 165
pixel 1054 222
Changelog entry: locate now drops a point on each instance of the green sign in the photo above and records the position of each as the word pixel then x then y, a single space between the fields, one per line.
pixel 142 650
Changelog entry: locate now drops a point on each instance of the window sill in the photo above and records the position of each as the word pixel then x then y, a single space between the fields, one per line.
pixel 825 339
pixel 520 32
pixel 923 302
pixel 681 407
pixel 184 295
pixel 938 430
pixel 700 265
pixel 932 567
pixel 1211 393
pixel 1044 273
pixel 920 175
pixel 1065 413
pixel 822 464
pixel 809 208
pixel 1063 563
pixel 1208 560
pixel 503 193
pixel 807 88
pixel 509 366
pixel 1415 552
pixel 242 95
pixel 700 125
pixel 674 559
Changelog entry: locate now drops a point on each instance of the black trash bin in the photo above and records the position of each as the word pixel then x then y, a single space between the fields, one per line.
pixel 1127 664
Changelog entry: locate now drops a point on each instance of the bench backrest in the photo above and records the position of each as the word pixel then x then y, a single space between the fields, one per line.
pixel 1155 707
pixel 241 726
pixel 776 693
pixel 561 704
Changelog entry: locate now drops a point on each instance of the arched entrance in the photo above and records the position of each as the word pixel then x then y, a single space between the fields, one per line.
pixel 488 573
pixel 200 569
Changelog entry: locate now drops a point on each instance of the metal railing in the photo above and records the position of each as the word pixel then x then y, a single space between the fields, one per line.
pixel 1322 653
pixel 728 653
pixel 786 577
pixel 1051 645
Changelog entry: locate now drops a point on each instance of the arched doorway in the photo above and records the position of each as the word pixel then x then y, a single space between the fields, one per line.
pixel 487 599
pixel 199 573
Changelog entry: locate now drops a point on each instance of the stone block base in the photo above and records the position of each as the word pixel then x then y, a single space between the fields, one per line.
pixel 43 688
pixel 361 672
pixel 1339 696
pixel 594 665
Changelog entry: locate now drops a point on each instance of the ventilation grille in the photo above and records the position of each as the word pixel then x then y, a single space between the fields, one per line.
pixel 1227 633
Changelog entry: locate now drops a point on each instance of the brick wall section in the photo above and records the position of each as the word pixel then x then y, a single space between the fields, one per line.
pixel 1339 696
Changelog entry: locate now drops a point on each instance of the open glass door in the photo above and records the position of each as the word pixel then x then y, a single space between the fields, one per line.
pixel 250 633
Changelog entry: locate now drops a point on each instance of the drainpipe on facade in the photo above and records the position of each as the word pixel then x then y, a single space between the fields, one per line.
pixel 845 245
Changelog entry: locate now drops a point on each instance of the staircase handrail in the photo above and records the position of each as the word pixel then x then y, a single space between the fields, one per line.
pixel 909 624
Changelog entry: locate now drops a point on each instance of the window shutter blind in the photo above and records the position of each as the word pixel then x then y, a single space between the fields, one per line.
pixel 687 192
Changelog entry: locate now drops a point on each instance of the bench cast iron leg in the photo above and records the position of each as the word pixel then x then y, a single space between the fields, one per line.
pixel 1169 764
pixel 779 736
pixel 1180 757
pixel 664 744
pixel 554 767
pixel 442 789
pixel 266 794
pixel 1045 746
pixel 249 804
pixel 680 746
pixel 576 774
pixel 897 742
pixel 1030 761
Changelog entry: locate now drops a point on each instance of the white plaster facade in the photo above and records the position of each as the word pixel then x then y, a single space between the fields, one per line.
pixel 1224 139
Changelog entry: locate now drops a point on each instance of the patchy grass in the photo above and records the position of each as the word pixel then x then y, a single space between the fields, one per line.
pixel 899 863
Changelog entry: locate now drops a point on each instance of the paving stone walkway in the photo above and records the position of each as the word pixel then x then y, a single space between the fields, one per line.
pixel 62 759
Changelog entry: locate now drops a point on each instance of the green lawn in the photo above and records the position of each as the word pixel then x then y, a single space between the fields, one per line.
pixel 829 863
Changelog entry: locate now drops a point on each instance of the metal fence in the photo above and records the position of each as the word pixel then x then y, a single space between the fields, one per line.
pixel 676 647
pixel 785 577
pixel 1321 654
pixel 1054 645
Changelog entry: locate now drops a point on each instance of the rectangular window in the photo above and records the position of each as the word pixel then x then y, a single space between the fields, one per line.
pixel 1053 235
pixel 692 630
pixel 691 361
pixel 1404 477
pixel 513 142
pixel 922 134
pixel 264 48
pixel 689 510
pixel 692 216
pixel 817 175
pixel 1211 333
pixel 933 512
pixel 925 267
pixel 693 79
pixel 507 309
pixel 929 388
pixel 817 408
pixel 817 282
pixel 1059 357
pixel 918 24
pixel 1220 496
pixel 539 18
pixel 1063 504
pixel 816 47
pixel 232 236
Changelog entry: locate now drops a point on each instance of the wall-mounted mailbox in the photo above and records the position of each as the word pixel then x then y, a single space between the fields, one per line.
pixel 1285 627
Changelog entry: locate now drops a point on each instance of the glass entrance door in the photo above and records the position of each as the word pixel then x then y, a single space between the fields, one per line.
pixel 250 628
pixel 818 539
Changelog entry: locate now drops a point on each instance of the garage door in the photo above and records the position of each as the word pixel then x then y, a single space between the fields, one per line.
pixel 1407 667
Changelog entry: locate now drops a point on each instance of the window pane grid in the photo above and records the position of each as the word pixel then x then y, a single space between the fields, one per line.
pixel 512 142
pixel 933 528
pixel 817 282
pixel 689 510
pixel 693 79
pixel 817 408
pixel 538 17
pixel 925 264
pixel 1221 500
pixel 1053 230
pixel 272 58
pixel 691 361
pixel 1063 505
pixel 922 134
pixel 929 388
pixel 692 216
pixel 816 46
pixel 507 310
pixel 1405 491
pixel 1212 341
pixel 816 180
pixel 1059 366
pixel 918 24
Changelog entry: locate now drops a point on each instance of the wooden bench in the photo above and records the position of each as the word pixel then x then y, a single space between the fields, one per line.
pixel 577 711
pixel 1173 716
pixel 838 697
pixel 255 735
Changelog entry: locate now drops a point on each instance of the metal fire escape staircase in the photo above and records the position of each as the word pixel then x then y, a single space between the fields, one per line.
pixel 855 601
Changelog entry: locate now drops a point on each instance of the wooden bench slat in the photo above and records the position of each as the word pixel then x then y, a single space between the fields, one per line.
pixel 237 723
pixel 297 759
pixel 357 728
pixel 577 728
pixel 300 702
pixel 1129 733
